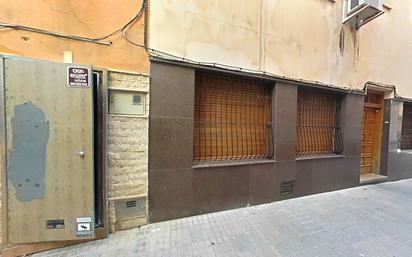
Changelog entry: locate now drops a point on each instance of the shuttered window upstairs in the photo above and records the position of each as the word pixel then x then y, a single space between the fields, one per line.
pixel 318 123
pixel 232 119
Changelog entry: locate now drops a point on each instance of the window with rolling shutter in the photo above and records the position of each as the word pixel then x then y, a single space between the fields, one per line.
pixel 406 138
pixel 318 123
pixel 232 118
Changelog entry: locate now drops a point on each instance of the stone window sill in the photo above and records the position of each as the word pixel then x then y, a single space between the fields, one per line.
pixel 407 151
pixel 316 157
pixel 216 164
pixel 129 115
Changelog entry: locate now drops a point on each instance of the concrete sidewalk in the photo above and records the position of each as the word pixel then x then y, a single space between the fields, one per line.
pixel 371 221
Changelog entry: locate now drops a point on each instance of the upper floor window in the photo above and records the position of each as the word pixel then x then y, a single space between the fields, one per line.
pixel 353 4
pixel 232 119
pixel 318 123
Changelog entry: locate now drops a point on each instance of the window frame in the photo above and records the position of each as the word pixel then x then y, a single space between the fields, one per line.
pixel 350 7
pixel 253 133
pixel 307 136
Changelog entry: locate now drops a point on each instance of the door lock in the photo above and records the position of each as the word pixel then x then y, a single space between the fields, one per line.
pixel 81 154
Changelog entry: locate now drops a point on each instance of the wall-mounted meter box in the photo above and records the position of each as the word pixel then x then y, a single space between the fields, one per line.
pixel 127 102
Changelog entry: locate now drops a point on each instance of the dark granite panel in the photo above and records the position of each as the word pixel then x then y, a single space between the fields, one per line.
pixel 350 172
pixel 217 189
pixel 395 125
pixel 171 91
pixel 352 110
pixel 322 175
pixel 285 107
pixel 304 170
pixel 171 143
pixel 352 138
pixel 263 184
pixel 170 195
pixel 286 170
pixel 399 161
pixel 400 165
pixel 385 137
pixel 285 148
pixel 351 124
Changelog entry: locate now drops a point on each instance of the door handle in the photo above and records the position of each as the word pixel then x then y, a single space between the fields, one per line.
pixel 81 154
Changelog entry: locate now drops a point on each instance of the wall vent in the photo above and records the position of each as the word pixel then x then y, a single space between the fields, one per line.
pixel 287 187
pixel 131 204
pixel 130 208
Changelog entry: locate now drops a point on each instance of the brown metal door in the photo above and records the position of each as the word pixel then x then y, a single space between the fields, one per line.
pixel 367 140
pixel 49 136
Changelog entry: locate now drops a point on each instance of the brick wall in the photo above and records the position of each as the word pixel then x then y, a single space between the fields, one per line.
pixel 127 148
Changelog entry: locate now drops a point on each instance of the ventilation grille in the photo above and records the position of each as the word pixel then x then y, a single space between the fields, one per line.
pixel 131 204
pixel 287 187
pixel 130 208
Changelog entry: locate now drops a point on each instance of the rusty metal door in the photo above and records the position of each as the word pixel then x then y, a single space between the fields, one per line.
pixel 49 137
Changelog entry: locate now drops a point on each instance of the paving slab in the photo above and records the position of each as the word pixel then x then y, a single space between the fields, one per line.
pixel 366 221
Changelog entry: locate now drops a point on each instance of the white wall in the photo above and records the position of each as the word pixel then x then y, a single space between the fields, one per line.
pixel 300 38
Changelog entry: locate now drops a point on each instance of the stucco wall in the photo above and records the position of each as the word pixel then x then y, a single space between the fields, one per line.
pixel 304 39
pixel 127 151
pixel 92 18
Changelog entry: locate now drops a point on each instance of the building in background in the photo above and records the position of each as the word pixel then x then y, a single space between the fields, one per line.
pixel 259 101
pixel 250 102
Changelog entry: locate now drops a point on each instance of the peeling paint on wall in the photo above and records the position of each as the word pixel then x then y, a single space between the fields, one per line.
pixel 27 158
pixel 75 17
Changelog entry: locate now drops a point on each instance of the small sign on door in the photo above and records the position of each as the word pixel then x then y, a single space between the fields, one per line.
pixel 78 77
pixel 84 226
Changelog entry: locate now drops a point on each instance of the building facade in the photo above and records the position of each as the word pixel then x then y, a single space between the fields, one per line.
pixel 333 82
pixel 250 102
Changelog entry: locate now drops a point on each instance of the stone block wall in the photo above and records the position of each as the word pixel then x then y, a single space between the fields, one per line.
pixel 127 147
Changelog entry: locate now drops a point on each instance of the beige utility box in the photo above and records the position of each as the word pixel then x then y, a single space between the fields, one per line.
pixel 127 102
